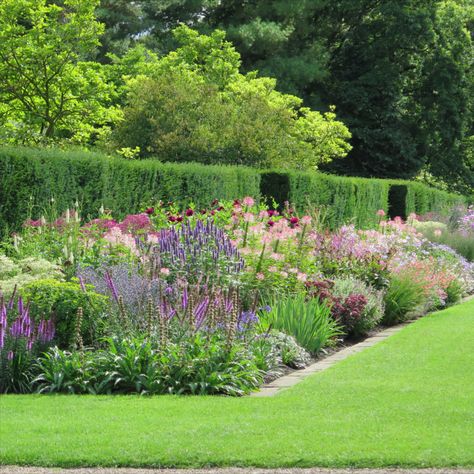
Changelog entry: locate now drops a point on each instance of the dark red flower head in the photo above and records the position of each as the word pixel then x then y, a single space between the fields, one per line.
pixel 189 212
pixel 272 213
pixel 215 202
pixel 203 211
pixel 179 219
pixel 236 202
pixel 172 218
pixel 150 210
pixel 270 223
pixel 294 221
pixel 220 208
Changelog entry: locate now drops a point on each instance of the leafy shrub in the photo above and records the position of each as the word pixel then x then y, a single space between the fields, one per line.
pixel 309 322
pixel 184 110
pixel 62 300
pixel 403 297
pixel 372 310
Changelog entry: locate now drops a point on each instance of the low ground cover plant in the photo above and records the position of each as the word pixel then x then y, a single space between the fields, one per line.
pixel 205 300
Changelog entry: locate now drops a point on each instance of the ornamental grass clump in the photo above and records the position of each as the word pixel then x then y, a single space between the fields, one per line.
pixel 308 321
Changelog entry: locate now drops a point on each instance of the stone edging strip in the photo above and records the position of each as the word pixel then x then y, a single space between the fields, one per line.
pixel 293 378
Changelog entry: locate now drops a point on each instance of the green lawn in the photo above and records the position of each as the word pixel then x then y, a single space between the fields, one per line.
pixel 408 401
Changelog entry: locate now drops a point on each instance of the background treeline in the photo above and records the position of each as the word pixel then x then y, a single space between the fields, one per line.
pixel 30 178
pixel 400 72
pixel 136 77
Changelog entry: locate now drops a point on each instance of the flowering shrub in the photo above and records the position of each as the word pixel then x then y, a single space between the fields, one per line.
pixel 17 274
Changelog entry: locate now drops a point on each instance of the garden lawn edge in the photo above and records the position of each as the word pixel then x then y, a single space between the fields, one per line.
pixel 405 402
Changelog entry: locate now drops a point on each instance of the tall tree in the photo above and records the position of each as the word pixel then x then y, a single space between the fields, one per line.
pixel 47 88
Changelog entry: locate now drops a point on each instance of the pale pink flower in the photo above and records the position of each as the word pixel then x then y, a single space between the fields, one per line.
pixel 437 232
pixel 248 217
pixel 153 238
pixel 293 270
pixel 267 239
pixel 284 274
pixel 245 251
pixel 248 201
pixel 260 276
pixel 257 228
pixel 276 256
pixel 306 220
pixel 165 271
pixel 302 276
pixel 381 213
pixel 272 269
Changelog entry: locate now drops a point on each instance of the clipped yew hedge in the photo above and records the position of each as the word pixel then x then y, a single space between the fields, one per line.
pixel 29 178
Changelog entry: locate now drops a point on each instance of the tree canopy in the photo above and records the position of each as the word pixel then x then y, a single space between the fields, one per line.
pixel 194 104
pixel 48 87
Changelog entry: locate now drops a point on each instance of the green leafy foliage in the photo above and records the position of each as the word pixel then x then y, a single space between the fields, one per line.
pixel 137 365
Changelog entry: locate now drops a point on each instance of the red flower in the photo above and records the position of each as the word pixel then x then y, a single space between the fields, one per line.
pixel 272 213
pixel 270 223
pixel 220 208
pixel 189 212
pixel 215 202
pixel 150 210
pixel 172 218
pixel 203 211
pixel 236 202
pixel 294 221
pixel 179 219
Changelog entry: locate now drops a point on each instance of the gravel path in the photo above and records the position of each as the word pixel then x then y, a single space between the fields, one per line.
pixel 38 470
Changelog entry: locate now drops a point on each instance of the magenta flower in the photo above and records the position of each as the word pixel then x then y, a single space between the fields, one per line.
pixel 134 223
